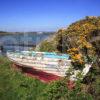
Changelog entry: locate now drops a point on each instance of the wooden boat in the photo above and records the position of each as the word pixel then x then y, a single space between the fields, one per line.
pixel 49 62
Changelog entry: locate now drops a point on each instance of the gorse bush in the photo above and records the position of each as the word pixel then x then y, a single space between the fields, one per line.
pixel 78 35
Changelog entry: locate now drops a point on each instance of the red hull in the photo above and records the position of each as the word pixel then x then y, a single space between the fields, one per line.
pixel 41 75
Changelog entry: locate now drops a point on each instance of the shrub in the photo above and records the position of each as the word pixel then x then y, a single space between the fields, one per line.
pixel 59 91
pixel 47 46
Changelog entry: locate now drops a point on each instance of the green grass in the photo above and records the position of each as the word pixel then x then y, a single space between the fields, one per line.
pixel 16 86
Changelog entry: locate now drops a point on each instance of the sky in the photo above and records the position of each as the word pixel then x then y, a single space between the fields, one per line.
pixel 44 15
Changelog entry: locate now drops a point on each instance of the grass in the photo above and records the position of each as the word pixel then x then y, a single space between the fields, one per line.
pixel 16 86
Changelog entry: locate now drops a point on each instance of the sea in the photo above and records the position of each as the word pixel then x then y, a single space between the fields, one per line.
pixel 21 41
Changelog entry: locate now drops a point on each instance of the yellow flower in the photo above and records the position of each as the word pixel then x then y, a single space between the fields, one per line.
pixel 77 57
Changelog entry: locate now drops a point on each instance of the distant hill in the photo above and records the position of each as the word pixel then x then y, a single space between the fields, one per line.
pixel 4 32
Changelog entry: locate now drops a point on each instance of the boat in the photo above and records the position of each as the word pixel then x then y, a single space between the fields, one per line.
pixel 49 62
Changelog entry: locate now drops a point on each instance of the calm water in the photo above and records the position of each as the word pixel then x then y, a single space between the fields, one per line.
pixel 22 41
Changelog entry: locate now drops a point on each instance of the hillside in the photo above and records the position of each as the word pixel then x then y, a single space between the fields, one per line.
pixel 83 34
pixel 68 37
pixel 82 41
